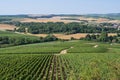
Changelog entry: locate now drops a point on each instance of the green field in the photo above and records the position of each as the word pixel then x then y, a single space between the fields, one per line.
pixel 13 34
pixel 55 47
pixel 12 39
pixel 84 60
pixel 17 35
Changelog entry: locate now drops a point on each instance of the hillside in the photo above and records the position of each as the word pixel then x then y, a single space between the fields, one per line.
pixel 66 18
pixel 13 39
pixel 45 61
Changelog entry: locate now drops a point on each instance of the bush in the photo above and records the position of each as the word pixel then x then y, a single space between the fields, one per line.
pixel 50 38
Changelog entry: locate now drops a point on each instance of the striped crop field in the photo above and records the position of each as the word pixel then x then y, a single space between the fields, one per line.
pixel 83 60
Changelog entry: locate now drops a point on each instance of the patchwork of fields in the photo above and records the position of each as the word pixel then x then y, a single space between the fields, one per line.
pixel 58 35
pixel 68 37
pixel 83 61
pixel 68 20
pixel 60 44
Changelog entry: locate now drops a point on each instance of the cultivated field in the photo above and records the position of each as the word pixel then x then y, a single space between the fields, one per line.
pixel 45 20
pixel 67 37
pixel 69 20
pixel 7 27
pixel 82 61
pixel 15 34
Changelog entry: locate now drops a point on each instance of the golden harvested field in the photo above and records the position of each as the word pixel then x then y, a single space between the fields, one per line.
pixel 112 34
pixel 7 27
pixel 63 36
pixel 60 19
pixel 45 20
pixel 76 36
pixel 67 37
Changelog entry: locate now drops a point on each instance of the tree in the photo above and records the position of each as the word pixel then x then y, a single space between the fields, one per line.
pixel 110 38
pixel 88 37
pixel 69 28
pixel 104 36
pixel 50 38
pixel 118 34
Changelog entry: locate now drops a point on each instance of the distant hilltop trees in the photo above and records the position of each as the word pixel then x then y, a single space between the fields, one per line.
pixel 60 27
pixel 103 37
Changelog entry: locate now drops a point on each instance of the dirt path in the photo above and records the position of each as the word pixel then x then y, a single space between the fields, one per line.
pixel 95 46
pixel 64 51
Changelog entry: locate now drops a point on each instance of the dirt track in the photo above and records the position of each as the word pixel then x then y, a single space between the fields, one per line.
pixel 63 51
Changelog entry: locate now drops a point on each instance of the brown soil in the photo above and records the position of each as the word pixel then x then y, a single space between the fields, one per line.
pixel 67 37
pixel 95 46
pixel 7 27
pixel 112 34
pixel 63 51
pixel 76 36
pixel 63 36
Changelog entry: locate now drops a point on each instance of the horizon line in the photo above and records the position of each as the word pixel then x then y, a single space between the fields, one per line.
pixel 58 13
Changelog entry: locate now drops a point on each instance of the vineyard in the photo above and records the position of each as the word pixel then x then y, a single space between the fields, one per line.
pixel 51 67
pixel 83 61
pixel 56 47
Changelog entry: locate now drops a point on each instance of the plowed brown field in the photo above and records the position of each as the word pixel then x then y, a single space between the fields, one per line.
pixel 7 27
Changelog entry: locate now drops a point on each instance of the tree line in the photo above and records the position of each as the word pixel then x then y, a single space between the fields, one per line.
pixel 6 41
pixel 60 27
pixel 103 37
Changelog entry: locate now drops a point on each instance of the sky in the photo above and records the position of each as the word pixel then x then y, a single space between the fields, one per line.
pixel 11 7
